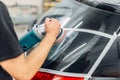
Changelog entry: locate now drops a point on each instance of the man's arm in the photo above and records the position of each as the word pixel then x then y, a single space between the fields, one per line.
pixel 22 68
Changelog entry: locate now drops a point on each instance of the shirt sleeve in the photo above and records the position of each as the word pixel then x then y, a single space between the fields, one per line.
pixel 9 44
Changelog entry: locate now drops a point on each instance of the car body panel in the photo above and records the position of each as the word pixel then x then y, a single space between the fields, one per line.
pixel 91 38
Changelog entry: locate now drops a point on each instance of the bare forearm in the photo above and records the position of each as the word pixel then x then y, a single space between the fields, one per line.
pixel 27 67
pixel 39 54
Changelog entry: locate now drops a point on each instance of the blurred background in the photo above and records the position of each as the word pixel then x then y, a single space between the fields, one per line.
pixel 25 12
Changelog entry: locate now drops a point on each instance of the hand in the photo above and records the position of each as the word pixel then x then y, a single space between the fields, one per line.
pixel 52 27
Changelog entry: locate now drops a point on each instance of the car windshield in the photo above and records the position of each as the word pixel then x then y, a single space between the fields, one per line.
pixel 88 31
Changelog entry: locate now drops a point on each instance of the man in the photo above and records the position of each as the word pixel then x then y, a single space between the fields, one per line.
pixel 12 60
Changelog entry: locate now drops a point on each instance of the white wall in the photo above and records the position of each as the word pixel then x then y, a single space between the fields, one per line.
pixel 38 3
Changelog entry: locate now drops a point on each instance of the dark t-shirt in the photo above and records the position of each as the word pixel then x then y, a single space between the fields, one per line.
pixel 9 44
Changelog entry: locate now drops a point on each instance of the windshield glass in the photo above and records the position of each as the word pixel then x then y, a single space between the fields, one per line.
pixel 71 13
pixel 76 53
pixel 62 11
pixel 80 48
